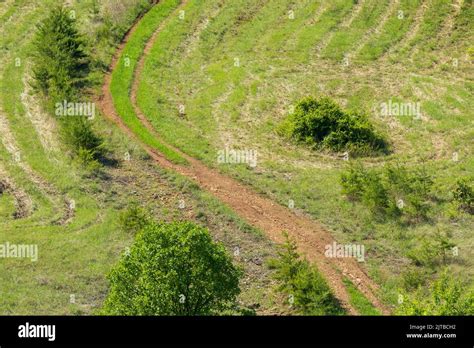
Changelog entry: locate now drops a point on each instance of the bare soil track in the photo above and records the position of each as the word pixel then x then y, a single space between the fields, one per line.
pixel 256 209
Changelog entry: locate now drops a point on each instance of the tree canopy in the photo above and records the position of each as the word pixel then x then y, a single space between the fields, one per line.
pixel 173 269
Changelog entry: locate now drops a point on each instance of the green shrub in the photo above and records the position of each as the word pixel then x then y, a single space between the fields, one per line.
pixel 86 159
pixel 446 296
pixel 413 278
pixel 303 284
pixel 392 192
pixel 173 269
pixel 61 64
pixel 376 196
pixel 464 195
pixel 413 187
pixel 134 219
pixel 80 136
pixel 432 250
pixel 354 180
pixel 322 123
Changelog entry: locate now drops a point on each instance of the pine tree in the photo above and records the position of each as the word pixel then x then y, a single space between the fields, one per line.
pixel 61 69
pixel 61 62
pixel 306 288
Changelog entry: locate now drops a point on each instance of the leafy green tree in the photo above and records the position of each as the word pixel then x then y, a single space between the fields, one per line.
pixel 446 296
pixel 173 269
pixel 305 287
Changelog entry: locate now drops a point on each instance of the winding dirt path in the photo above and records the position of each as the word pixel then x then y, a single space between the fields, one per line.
pixel 256 209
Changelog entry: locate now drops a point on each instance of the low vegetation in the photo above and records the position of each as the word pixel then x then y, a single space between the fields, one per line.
pixel 433 250
pixel 446 296
pixel 359 301
pixel 306 289
pixel 464 195
pixel 393 192
pixel 134 219
pixel 323 124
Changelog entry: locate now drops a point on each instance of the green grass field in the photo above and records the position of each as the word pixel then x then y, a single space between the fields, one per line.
pixel 224 75
pixel 238 77
pixel 74 257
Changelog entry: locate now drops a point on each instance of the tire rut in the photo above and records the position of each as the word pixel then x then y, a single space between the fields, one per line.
pixel 48 189
pixel 23 203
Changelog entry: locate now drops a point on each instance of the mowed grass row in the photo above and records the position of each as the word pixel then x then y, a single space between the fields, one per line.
pixel 424 48
pixel 122 77
pixel 8 11
pixel 53 169
pixel 74 258
pixel 396 27
pixel 432 22
pixel 330 20
pixel 346 39
pixel 65 252
pixel 7 41
pixel 240 107
pixel 252 290
pixel 14 33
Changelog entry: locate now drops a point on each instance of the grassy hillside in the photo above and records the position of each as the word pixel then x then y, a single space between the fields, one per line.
pixel 225 74
pixel 71 213
pixel 237 67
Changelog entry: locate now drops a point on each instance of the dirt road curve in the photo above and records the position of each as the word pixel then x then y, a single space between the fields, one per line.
pixel 256 209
